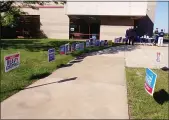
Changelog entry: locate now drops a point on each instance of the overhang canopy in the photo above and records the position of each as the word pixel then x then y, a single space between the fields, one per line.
pixel 106 8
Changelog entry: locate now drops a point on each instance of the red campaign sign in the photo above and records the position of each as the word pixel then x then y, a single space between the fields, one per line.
pixel 150 81
pixel 11 61
pixel 148 88
pixel 12 56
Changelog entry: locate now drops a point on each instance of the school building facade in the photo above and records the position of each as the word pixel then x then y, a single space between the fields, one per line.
pixel 80 20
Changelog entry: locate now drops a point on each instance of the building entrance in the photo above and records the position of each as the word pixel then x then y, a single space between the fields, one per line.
pixel 84 27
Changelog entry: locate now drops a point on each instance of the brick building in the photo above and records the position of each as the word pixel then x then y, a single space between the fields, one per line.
pixel 79 20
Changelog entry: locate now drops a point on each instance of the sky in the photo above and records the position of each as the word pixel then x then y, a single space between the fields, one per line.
pixel 161 16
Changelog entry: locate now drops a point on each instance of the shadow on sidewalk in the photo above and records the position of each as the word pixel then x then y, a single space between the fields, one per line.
pixel 111 50
pixel 161 96
pixel 60 81
pixel 76 60
pixel 115 50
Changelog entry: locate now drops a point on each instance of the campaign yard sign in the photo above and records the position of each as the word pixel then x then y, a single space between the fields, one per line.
pixel 158 57
pixel 97 43
pixel 62 49
pixel 11 61
pixel 102 43
pixel 150 81
pixel 67 48
pixel 77 46
pixel 73 47
pixel 51 54
pixel 87 43
pixel 91 42
pixel 81 46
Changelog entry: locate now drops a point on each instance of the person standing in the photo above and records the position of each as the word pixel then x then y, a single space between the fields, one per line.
pixel 130 35
pixel 127 36
pixel 134 35
pixel 156 36
pixel 160 38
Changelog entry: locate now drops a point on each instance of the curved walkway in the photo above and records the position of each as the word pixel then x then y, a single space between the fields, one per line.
pixel 93 87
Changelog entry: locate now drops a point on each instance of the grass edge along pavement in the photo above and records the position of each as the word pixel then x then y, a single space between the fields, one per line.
pixel 141 104
pixel 34 64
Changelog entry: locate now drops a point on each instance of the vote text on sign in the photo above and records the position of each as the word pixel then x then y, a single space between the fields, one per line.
pixel 11 61
pixel 150 81
pixel 51 54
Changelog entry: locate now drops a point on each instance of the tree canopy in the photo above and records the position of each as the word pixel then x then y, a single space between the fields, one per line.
pixel 10 12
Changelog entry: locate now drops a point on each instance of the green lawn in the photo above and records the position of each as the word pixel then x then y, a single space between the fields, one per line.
pixel 34 63
pixel 141 104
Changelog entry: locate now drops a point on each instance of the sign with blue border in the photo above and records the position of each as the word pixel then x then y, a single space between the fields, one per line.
pixel 150 81
pixel 62 49
pixel 87 43
pixel 73 47
pixel 51 54
pixel 81 46
pixel 97 43
pixel 11 61
pixel 77 46
pixel 67 49
pixel 102 43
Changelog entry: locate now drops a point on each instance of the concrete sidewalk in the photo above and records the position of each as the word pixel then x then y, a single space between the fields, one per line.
pixel 92 88
pixel 145 56
pixel 98 92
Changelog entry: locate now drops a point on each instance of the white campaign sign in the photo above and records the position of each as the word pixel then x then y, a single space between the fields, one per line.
pixel 11 61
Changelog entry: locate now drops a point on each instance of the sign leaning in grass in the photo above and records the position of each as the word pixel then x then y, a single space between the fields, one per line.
pixel 81 46
pixel 67 49
pixel 87 43
pixel 150 81
pixel 62 49
pixel 11 61
pixel 51 54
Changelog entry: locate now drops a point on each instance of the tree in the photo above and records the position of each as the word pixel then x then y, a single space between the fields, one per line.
pixel 10 12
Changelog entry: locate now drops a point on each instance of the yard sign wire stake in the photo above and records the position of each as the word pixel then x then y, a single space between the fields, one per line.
pixel 158 59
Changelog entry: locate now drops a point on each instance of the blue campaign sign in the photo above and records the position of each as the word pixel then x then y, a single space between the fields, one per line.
pixel 87 43
pixel 81 46
pixel 77 46
pixel 73 47
pixel 150 81
pixel 51 54
pixel 62 49
pixel 67 48
pixel 102 42
pixel 97 43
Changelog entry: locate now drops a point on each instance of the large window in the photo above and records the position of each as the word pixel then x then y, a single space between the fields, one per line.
pixel 84 27
pixel 29 26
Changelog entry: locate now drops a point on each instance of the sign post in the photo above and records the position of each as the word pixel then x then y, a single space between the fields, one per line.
pixel 150 81
pixel 51 54
pixel 158 59
pixel 11 61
